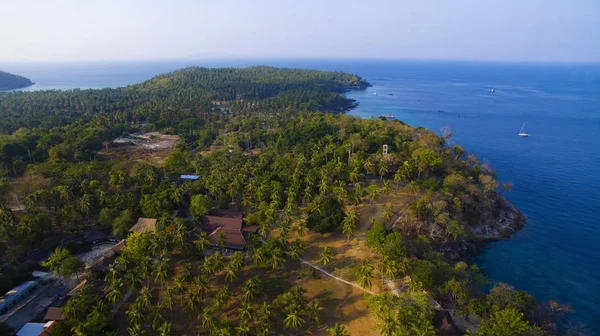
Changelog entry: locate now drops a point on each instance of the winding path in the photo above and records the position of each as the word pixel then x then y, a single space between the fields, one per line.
pixel 335 277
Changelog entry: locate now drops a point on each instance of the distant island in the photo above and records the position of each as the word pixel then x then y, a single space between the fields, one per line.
pixel 10 82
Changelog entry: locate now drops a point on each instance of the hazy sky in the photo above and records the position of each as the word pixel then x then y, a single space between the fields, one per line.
pixel 525 30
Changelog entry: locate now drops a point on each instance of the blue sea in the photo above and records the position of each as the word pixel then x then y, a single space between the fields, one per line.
pixel 555 172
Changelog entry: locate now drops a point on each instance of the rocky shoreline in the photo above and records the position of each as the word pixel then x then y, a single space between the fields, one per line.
pixel 507 223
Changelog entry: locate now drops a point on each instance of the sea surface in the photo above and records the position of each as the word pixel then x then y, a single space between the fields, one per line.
pixel 555 172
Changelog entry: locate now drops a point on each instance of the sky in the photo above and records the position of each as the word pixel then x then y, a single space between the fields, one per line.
pixel 501 30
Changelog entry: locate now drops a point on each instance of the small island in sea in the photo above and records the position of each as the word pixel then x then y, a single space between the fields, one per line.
pixel 9 81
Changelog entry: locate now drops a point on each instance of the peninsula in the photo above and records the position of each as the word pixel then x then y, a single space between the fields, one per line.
pixel 229 202
pixel 10 82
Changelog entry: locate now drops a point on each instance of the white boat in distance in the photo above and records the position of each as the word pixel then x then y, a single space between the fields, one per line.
pixel 522 132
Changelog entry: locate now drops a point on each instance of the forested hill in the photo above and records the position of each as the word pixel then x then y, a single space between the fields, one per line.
pixel 9 81
pixel 169 98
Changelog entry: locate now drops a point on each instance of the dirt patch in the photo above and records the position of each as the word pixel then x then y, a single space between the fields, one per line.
pixel 152 146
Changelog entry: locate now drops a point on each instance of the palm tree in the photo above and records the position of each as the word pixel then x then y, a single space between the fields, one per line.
pixel 244 311
pixel 112 274
pixel 296 249
pixel 300 228
pixel 237 260
pixel 218 261
pixel 243 329
pixel 222 240
pixel 368 166
pixel 222 297
pixel 114 295
pixel 355 175
pixel 230 273
pixel 387 213
pixel 135 280
pixel 167 300
pixel 135 330
pixel 162 271
pixel 135 314
pixel 350 223
pixel 277 260
pixel 265 313
pixel 325 255
pixel 313 309
pixel 337 330
pixel 294 317
pixel 385 189
pixel 382 168
pixel 251 287
pixel 192 302
pixel 365 273
pixel 208 320
pixel 166 329
pixel 388 267
pixel 201 284
pixel 373 192
pixel 202 242
pixel 145 298
pixel 158 319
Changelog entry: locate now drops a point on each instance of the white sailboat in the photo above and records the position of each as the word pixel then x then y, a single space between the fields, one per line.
pixel 522 132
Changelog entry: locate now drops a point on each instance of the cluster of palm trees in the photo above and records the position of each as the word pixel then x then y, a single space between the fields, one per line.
pixel 212 293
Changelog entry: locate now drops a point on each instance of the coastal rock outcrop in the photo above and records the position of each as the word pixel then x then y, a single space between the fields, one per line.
pixel 504 224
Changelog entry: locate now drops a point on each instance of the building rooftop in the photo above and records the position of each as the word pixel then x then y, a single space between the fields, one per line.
pixel 119 247
pixel 77 288
pixel 189 177
pixel 232 227
pixel 54 314
pixel 144 225
pixel 37 329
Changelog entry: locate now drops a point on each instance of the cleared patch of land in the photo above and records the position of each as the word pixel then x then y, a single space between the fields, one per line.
pixel 152 146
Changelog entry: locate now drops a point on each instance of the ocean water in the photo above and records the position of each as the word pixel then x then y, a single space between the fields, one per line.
pixel 554 171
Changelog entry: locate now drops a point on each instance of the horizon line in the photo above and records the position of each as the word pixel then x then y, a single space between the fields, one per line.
pixel 304 58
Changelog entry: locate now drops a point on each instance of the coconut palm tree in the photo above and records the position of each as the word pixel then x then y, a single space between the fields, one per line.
pixel 114 295
pixel 162 271
pixel 276 259
pixel 202 242
pixel 337 330
pixel 112 274
pixel 219 261
pixel 135 330
pixel 192 302
pixel 294 318
pixel 251 287
pixel 243 329
pixel 350 223
pixel 201 284
pixel 388 267
pixel 244 311
pixel 222 297
pixel 296 249
pixel 237 260
pixel 365 273
pixel 208 320
pixel 221 240
pixel 135 314
pixel 265 313
pixel 325 255
pixel 158 319
pixel 145 298
pixel 166 329
pixel 387 214
pixel 230 274
pixel 313 309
